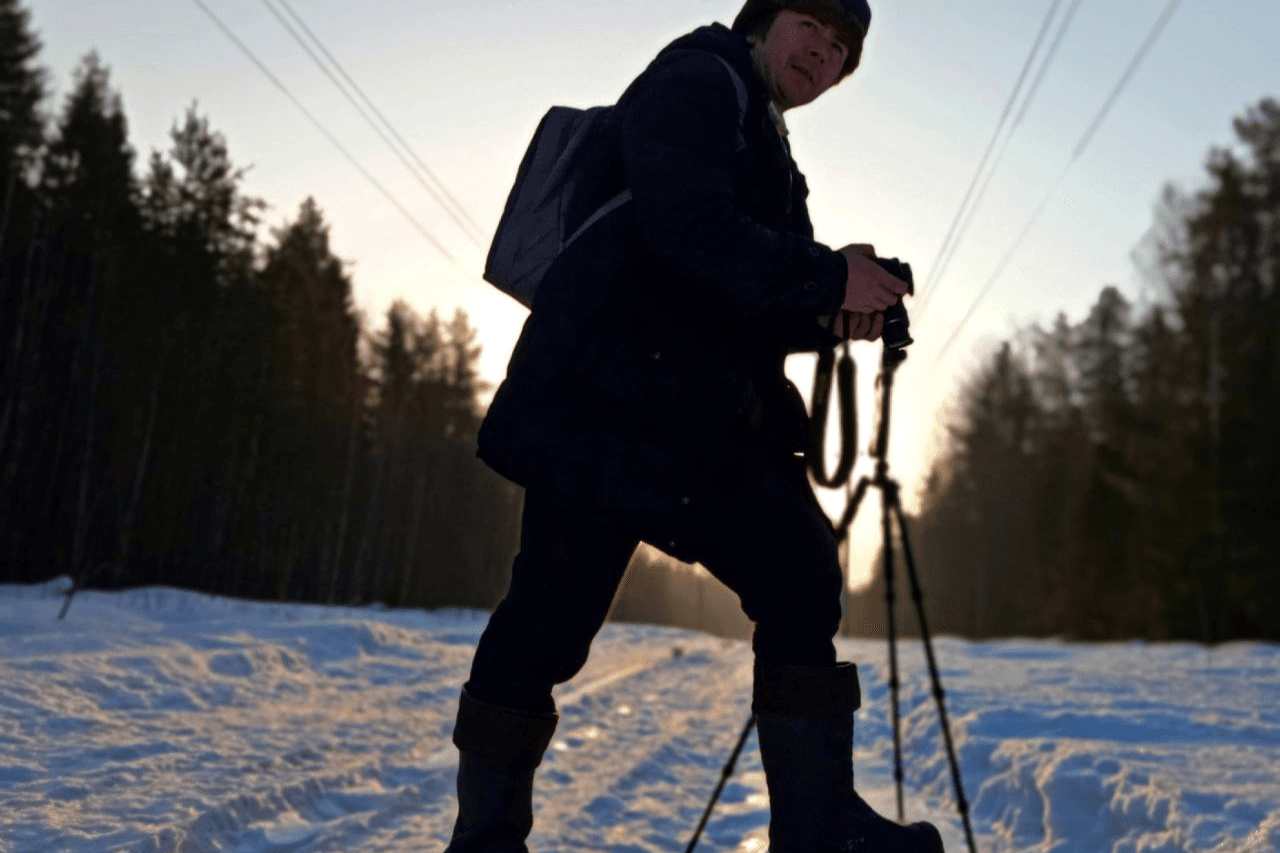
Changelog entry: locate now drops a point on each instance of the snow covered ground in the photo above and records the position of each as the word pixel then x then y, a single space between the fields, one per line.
pixel 158 720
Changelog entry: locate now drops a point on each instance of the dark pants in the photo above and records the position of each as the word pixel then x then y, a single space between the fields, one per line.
pixel 765 537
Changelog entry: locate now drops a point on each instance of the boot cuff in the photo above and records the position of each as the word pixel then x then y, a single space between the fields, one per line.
pixel 502 737
pixel 806 690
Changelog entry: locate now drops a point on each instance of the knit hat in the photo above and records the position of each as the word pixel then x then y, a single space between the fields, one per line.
pixel 850 18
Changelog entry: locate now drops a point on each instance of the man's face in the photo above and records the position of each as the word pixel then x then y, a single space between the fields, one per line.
pixel 802 58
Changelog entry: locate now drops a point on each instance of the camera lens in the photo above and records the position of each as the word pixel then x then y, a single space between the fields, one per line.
pixel 897 328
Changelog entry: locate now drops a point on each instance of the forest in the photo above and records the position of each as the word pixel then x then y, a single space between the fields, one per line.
pixel 1116 477
pixel 185 403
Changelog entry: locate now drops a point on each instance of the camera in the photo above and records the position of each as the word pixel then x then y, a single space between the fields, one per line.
pixel 897 326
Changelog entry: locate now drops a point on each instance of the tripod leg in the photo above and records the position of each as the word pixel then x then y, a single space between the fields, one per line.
pixel 724 777
pixel 887 540
pixel 939 695
pixel 851 509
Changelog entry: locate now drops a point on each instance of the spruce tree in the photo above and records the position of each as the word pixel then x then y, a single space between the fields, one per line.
pixel 464 381
pixel 313 380
pixel 314 358
pixel 22 87
pixel 87 179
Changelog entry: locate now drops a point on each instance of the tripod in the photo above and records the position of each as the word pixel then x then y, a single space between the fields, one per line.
pixel 891 510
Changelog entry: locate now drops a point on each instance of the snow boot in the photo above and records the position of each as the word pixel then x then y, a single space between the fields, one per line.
pixel 804 720
pixel 498 751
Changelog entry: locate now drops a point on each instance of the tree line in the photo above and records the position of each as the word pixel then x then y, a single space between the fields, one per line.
pixel 183 402
pixel 1116 477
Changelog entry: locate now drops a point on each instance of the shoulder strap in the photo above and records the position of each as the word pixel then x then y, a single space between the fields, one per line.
pixel 625 196
pixel 739 87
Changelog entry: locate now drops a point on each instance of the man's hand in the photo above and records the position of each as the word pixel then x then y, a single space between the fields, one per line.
pixel 868 288
pixel 854 327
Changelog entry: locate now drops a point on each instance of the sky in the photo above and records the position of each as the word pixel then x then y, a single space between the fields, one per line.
pixel 889 154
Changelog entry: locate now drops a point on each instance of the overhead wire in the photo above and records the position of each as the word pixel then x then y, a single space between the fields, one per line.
pixel 1161 22
pixel 451 205
pixel 940 270
pixel 342 149
pixel 1008 107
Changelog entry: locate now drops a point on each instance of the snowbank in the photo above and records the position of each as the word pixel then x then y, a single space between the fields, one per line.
pixel 160 720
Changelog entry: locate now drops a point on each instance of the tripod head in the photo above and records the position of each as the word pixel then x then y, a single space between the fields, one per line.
pixel 891 358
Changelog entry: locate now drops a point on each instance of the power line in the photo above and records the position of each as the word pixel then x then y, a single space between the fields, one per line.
pixel 279 85
pixel 1035 49
pixel 319 64
pixel 1163 20
pixel 941 269
pixel 1000 268
pixel 1124 79
pixel 450 204
pixel 407 147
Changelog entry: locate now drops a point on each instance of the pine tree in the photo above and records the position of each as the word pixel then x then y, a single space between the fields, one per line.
pixel 201 317
pixel 1163 417
pixel 21 131
pixel 313 382
pixel 87 179
pixel 464 378
pixel 1111 504
pixel 193 197
pixel 397 352
pixel 314 359
pixel 22 87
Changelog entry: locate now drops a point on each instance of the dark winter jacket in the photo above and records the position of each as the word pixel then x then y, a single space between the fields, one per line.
pixel 653 357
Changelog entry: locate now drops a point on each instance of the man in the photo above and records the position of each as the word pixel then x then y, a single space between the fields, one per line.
pixel 646 401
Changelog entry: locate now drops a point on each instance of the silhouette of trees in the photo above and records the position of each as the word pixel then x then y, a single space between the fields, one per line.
pixel 426 418
pixel 181 404
pixel 1115 478
pixel 659 590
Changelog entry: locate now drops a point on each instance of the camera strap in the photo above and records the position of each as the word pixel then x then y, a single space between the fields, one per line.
pixel 823 378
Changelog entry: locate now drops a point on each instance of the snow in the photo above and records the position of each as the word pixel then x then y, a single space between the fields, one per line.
pixel 160 720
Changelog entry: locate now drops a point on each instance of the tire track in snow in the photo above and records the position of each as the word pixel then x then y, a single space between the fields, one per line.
pixel 633 767
pixel 371 803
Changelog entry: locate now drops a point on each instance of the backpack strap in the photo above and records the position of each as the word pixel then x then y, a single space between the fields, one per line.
pixel 625 196
pixel 741 89
pixel 604 210
pixel 738 86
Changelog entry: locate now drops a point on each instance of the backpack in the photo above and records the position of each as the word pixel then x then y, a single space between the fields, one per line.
pixel 563 172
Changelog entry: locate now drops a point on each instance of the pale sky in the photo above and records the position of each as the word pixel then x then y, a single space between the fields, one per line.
pixel 888 154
